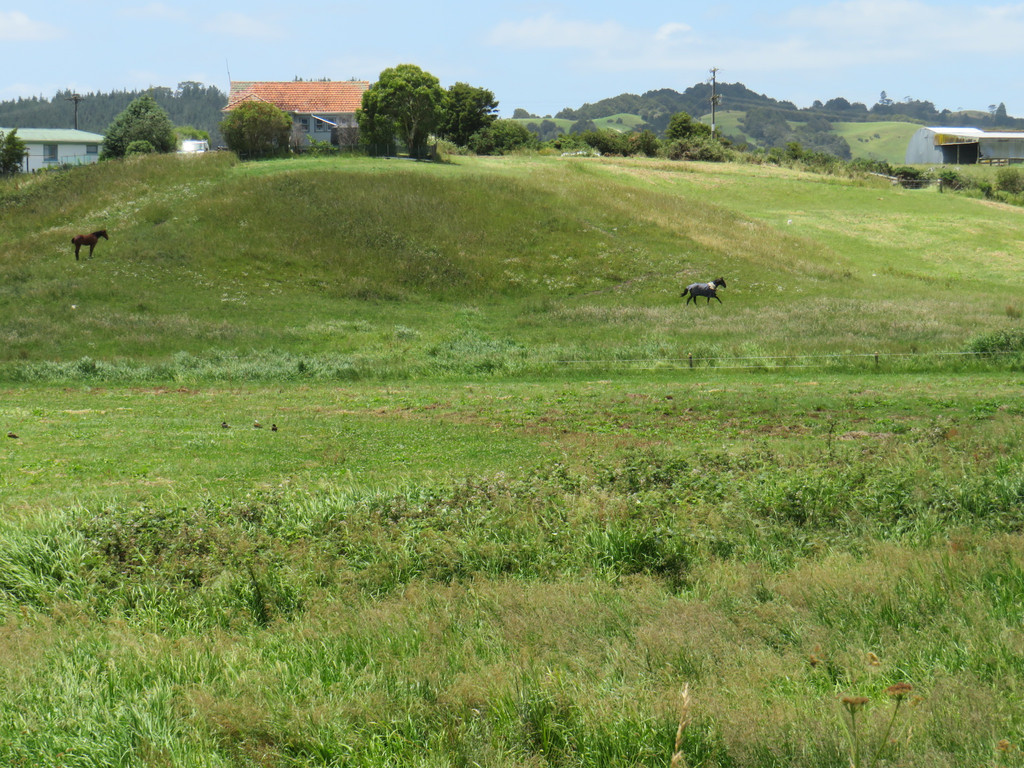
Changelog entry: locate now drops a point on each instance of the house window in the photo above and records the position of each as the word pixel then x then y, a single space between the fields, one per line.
pixel 92 149
pixel 49 153
pixel 304 124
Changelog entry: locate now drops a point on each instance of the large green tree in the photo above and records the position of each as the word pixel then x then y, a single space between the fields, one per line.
pixel 12 152
pixel 256 128
pixel 405 102
pixel 143 120
pixel 467 110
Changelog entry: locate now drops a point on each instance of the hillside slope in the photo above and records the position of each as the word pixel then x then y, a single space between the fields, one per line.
pixel 395 263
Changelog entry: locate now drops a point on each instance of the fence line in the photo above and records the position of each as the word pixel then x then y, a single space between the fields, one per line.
pixel 763 360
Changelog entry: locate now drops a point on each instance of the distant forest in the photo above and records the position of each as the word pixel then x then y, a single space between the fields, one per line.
pixel 198 105
pixel 190 104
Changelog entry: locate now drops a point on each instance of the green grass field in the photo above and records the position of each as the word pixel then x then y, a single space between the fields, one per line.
pixel 520 496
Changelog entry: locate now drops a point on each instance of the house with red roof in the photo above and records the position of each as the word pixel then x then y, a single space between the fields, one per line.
pixel 324 110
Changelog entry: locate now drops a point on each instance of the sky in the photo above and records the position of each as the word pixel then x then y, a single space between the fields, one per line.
pixel 538 56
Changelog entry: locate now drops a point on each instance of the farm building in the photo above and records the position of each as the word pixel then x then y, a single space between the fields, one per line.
pixel 323 110
pixel 52 147
pixel 964 146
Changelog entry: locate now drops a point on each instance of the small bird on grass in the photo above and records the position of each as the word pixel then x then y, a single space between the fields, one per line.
pixel 12 436
pixel 273 427
pixel 257 425
pixel 225 425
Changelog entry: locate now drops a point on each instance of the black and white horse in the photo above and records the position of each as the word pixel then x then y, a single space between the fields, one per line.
pixel 704 289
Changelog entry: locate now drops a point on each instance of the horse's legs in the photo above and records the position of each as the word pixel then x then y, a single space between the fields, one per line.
pixel 77 249
pixel 716 296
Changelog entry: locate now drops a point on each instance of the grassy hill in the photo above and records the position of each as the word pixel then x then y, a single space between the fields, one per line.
pixel 361 462
pixel 387 263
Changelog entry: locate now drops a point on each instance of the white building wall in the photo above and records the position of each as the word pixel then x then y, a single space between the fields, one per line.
pixel 48 155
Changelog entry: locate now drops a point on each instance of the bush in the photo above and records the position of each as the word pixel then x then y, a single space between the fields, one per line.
pixel 143 120
pixel 607 142
pixel 256 128
pixel 500 137
pixel 700 148
pixel 139 147
pixel 643 143
pixel 1009 341
pixel 1010 180
pixel 950 179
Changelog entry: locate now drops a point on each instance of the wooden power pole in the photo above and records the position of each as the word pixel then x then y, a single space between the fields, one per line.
pixel 715 98
pixel 75 98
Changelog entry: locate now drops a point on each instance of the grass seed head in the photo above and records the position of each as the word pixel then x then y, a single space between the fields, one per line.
pixel 854 703
pixel 899 691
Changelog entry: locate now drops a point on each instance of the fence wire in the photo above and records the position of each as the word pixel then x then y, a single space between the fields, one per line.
pixel 780 362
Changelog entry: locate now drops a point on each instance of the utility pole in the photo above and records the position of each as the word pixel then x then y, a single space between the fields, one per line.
pixel 715 98
pixel 75 98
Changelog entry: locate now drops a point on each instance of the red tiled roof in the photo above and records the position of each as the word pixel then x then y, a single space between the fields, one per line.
pixel 302 97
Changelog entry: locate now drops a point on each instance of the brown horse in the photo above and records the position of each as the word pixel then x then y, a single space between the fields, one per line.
pixel 91 239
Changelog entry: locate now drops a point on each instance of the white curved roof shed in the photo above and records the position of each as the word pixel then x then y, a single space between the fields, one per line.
pixel 964 146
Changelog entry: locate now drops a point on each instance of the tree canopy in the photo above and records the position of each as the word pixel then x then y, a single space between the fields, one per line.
pixel 467 110
pixel 143 120
pixel 405 102
pixel 256 128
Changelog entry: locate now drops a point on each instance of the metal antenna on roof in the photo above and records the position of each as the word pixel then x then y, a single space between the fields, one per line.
pixel 75 98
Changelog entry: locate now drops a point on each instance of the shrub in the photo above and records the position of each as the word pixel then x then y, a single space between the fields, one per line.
pixel 500 137
pixel 1007 341
pixel 139 147
pixel 643 143
pixel 1010 180
pixel 702 148
pixel 950 179
pixel 607 142
pixel 256 128
pixel 143 120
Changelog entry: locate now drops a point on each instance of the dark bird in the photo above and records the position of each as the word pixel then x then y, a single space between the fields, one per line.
pixel 12 435
pixel 273 427
pixel 224 425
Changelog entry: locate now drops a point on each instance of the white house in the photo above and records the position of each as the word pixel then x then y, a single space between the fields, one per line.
pixel 324 110
pixel 53 147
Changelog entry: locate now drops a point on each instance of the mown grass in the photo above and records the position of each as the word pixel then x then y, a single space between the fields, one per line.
pixel 502 521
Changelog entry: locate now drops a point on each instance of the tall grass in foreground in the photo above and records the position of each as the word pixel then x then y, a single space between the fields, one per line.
pixel 548 619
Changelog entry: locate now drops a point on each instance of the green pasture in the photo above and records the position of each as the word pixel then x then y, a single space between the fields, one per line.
pixel 522 506
pixel 389 267
pixel 878 141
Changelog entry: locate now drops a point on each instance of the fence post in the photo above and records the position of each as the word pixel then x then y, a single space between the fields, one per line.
pixel 690 356
pixel 876 359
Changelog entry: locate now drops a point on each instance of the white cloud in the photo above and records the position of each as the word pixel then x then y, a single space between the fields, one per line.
pixel 672 29
pixel 894 27
pixel 547 31
pixel 241 25
pixel 16 26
